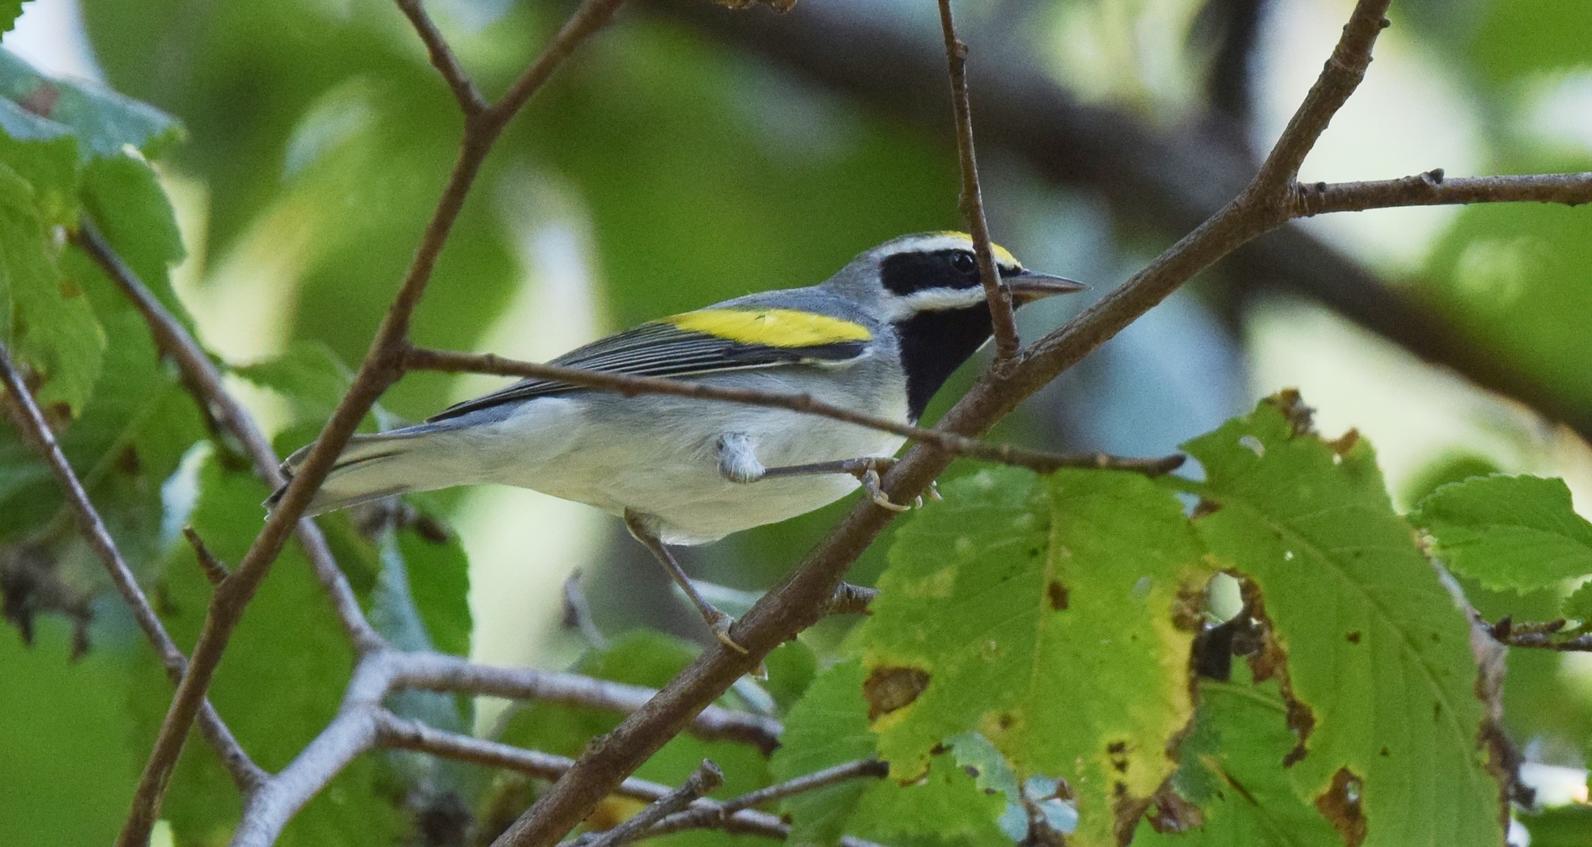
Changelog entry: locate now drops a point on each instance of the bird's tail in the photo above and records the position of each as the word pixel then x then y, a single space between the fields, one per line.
pixel 375 466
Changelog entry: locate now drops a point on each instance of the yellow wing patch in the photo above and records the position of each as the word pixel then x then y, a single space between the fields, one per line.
pixel 770 327
pixel 1002 255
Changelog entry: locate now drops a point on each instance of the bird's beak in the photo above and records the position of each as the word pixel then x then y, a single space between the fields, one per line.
pixel 1027 286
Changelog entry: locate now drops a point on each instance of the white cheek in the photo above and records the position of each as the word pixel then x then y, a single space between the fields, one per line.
pixel 932 300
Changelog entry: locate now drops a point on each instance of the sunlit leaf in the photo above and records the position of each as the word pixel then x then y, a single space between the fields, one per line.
pixel 1005 604
pixel 1508 532
pixel 1376 650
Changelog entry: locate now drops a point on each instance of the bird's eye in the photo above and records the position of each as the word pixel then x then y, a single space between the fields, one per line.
pixel 963 262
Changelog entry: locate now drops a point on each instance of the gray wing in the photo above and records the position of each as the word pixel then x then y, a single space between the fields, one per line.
pixel 662 350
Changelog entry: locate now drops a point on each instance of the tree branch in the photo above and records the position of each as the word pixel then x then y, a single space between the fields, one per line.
pixel 31 423
pixel 419 358
pixel 378 371
pixel 972 198
pixel 1433 189
pixel 704 779
pixel 203 379
pixel 443 59
pixel 1170 180
pixel 797 601
pixel 440 672
pixel 707 816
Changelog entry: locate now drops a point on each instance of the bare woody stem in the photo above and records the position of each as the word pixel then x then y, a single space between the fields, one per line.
pixel 376 373
pixel 418 358
pixel 203 379
pixel 30 421
pixel 972 198
pixel 705 778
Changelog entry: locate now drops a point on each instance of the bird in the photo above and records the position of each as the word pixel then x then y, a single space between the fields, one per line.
pixel 881 336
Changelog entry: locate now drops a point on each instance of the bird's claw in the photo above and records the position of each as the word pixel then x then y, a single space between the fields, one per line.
pixel 720 625
pixel 870 483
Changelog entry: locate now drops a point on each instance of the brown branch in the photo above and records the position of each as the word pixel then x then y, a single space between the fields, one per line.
pixel 419 358
pixel 30 422
pixel 400 733
pixel 708 816
pixel 1543 635
pixel 972 198
pixel 704 779
pixel 1167 180
pixel 203 379
pixel 443 59
pixel 798 600
pixel 440 672
pixel 1432 188
pixel 213 570
pixel 378 371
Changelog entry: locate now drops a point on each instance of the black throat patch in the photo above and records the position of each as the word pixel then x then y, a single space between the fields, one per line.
pixel 934 345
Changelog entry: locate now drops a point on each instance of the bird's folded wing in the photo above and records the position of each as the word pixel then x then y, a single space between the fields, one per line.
pixel 697 343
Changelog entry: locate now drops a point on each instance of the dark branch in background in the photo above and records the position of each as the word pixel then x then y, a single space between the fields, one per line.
pixel 419 358
pixel 31 423
pixel 704 779
pixel 972 198
pixel 377 372
pixel 1236 27
pixel 1171 180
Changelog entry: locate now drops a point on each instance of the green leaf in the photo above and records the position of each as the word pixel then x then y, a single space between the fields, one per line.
pixel 828 727
pixel 102 120
pixel 1508 532
pixel 1522 37
pixel 10 10
pixel 1023 598
pixel 1231 770
pixel 1579 604
pixel 1376 649
pixel 68 735
pixel 282 680
pixel 125 197
pixel 47 321
pixel 308 375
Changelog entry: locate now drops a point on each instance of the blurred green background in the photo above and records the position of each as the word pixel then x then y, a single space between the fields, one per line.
pixel 690 154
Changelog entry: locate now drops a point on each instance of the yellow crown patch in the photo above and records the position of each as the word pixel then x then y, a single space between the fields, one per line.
pixel 1002 255
pixel 770 327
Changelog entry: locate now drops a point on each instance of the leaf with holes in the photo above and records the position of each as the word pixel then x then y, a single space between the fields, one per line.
pixel 1508 532
pixel 1232 786
pixel 1052 615
pixel 1374 650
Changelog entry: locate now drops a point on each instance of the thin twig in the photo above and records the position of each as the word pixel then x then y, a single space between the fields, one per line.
pixel 420 358
pixel 378 371
pixel 1432 188
pixel 443 59
pixel 30 421
pixel 213 570
pixel 441 672
pixel 1540 635
pixel 972 198
pixel 401 733
pixel 707 816
pixel 704 779
pixel 796 603
pixel 850 599
pixel 203 379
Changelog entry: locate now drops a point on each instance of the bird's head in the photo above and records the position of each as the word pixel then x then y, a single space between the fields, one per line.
pixel 927 286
